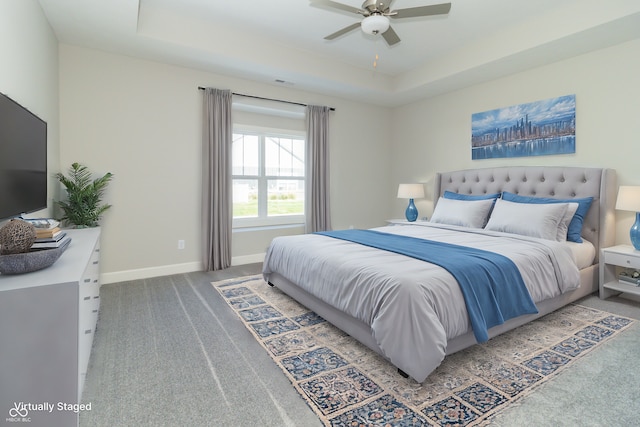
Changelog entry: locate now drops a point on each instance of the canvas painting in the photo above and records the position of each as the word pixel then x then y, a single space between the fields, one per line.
pixel 535 129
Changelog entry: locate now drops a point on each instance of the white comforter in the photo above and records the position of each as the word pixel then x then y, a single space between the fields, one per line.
pixel 413 307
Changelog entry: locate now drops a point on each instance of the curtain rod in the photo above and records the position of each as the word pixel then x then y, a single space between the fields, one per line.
pixel 269 99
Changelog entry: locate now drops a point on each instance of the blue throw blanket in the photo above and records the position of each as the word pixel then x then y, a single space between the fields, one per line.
pixel 491 284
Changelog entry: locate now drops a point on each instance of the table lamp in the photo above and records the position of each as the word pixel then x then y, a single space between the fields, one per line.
pixel 629 200
pixel 411 191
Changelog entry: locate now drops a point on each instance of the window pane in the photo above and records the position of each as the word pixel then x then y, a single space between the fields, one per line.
pixel 284 157
pixel 245 198
pixel 285 197
pixel 245 155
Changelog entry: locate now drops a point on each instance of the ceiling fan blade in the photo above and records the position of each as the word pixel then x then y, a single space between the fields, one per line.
pixel 345 30
pixel 335 5
pixel 412 12
pixel 390 37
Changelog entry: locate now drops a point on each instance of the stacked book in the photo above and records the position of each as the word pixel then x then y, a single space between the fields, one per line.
pixel 42 223
pixel 48 235
pixel 630 278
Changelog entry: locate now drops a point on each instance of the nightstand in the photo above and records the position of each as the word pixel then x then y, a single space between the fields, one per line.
pixel 397 221
pixel 612 260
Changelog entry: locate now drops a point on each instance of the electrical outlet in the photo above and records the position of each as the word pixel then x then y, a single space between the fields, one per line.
pixel 180 244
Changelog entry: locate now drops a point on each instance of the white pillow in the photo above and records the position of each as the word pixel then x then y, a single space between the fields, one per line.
pixel 563 227
pixel 466 213
pixel 528 219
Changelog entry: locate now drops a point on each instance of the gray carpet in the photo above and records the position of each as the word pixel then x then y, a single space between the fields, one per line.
pixel 169 351
pixel 600 390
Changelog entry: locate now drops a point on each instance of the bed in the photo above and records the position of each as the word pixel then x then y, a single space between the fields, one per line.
pixel 414 312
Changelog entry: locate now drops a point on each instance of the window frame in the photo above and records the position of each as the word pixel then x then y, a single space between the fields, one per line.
pixel 263 220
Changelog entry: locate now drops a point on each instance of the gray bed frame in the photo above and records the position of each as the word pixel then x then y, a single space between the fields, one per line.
pixel 537 181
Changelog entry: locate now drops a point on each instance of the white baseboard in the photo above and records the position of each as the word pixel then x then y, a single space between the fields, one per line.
pixel 145 273
pixel 247 259
pixel 167 270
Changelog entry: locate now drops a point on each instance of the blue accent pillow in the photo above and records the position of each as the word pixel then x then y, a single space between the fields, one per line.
pixel 458 196
pixel 575 226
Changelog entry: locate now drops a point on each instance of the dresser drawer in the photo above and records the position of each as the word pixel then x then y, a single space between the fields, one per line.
pixel 93 268
pixel 622 260
pixel 89 300
pixel 89 287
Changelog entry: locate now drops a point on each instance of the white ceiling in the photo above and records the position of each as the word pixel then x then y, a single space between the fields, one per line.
pixel 283 40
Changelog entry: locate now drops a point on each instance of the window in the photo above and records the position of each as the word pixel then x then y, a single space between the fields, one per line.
pixel 268 178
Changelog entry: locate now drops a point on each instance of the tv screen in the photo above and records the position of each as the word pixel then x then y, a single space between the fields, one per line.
pixel 23 160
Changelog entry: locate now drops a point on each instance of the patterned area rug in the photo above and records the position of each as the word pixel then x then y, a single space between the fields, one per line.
pixel 347 384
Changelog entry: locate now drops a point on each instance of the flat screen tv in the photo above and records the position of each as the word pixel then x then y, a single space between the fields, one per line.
pixel 23 160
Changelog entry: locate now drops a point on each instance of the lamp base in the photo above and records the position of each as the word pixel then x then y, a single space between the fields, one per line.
pixel 412 212
pixel 634 233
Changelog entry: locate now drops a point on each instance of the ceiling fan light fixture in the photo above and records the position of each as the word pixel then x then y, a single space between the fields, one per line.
pixel 375 24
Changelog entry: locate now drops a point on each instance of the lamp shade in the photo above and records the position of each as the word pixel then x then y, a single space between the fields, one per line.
pixel 628 198
pixel 375 24
pixel 410 191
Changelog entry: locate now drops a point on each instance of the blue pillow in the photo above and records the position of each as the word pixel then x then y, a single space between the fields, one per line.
pixel 458 196
pixel 575 226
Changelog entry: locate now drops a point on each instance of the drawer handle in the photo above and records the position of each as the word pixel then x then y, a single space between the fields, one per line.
pixel 95 262
pixel 94 311
pixel 88 331
pixel 95 281
pixel 96 297
pixel 87 298
pixel 87 280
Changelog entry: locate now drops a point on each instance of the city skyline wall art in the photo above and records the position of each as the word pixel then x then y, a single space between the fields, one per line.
pixel 537 128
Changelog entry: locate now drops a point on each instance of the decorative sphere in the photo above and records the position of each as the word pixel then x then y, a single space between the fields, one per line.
pixel 16 237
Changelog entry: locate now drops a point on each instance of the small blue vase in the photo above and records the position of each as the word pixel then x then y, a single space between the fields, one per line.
pixel 634 233
pixel 412 212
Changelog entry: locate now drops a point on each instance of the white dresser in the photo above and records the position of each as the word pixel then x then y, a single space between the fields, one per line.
pixel 47 323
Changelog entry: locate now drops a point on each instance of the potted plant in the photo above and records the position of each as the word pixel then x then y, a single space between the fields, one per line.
pixel 83 207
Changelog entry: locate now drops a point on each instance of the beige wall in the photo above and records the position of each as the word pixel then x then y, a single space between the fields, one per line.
pixel 29 72
pixel 434 134
pixel 141 120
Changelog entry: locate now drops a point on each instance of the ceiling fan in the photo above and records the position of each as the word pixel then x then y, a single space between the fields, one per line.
pixel 376 16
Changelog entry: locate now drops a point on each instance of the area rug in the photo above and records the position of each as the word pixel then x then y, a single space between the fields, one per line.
pixel 347 384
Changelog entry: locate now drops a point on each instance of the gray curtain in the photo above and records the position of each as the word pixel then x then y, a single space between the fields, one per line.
pixel 317 209
pixel 216 173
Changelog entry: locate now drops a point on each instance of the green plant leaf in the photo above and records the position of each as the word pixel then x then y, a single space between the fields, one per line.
pixel 83 206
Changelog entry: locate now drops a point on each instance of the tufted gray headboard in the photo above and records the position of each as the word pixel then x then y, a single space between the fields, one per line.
pixel 545 181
